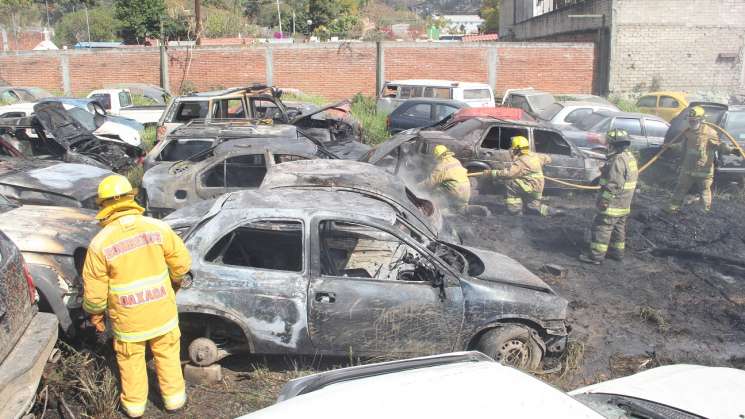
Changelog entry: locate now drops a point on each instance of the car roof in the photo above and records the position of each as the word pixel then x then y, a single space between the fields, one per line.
pixel 568 103
pixel 666 93
pixel 629 115
pixel 311 200
pixel 259 145
pixel 434 100
pixel 529 92
pixel 437 83
pixel 410 393
pixel 737 108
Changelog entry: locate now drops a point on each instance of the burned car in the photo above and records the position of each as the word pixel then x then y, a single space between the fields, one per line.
pixel 364 179
pixel 53 133
pixel 228 166
pixel 337 273
pixel 54 243
pixel 335 127
pixel 44 182
pixel 484 144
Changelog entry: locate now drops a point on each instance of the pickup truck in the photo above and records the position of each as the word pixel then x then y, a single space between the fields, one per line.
pixel 119 102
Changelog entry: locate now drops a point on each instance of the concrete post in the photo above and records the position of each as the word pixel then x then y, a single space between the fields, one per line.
pixel 65 70
pixel 4 33
pixel 164 79
pixel 379 67
pixel 492 62
pixel 269 66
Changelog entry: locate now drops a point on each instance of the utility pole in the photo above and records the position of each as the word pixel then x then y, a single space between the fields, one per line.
pixel 87 24
pixel 198 18
pixel 46 7
pixel 279 17
pixel 293 23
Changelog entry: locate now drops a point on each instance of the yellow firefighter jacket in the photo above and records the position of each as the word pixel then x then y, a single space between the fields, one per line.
pixel 449 175
pixel 527 171
pixel 617 184
pixel 128 271
pixel 699 148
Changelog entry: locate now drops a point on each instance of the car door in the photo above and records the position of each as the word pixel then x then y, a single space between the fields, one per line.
pixel 442 111
pixel 655 131
pixel 232 173
pixel 414 115
pixel 669 107
pixel 633 126
pixel 364 298
pixel 565 163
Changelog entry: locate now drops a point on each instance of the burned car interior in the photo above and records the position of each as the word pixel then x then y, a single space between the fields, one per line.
pixel 275 245
pixel 246 171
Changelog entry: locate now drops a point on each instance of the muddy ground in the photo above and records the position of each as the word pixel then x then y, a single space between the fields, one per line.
pixel 658 306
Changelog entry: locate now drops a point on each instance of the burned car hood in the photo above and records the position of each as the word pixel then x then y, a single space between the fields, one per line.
pixel 55 230
pixel 386 148
pixel 56 120
pixel 79 181
pixel 338 105
pixel 497 267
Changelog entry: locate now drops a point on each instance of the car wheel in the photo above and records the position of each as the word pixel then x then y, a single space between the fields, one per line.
pixel 513 345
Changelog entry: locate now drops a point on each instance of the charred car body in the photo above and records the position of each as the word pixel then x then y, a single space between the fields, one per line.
pixel 52 183
pixel 53 242
pixel 322 272
pixel 59 136
pixel 228 166
pixel 484 144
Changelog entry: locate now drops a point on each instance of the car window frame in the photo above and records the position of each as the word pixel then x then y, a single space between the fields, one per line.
pixel 656 101
pixel 223 160
pixel 207 247
pixel 646 132
pixel 676 101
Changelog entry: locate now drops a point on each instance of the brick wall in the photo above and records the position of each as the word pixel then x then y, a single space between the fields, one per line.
pixel 331 70
pixel 677 45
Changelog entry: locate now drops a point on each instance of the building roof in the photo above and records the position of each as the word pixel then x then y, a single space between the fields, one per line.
pixel 481 37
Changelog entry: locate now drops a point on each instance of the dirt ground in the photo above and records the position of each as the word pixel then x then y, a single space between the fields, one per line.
pixel 667 302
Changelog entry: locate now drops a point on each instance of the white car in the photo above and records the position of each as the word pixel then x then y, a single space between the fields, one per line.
pixel 470 384
pixel 567 113
pixel 394 93
pixel 111 127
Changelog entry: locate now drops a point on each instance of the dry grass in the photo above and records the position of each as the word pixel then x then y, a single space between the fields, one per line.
pixel 656 317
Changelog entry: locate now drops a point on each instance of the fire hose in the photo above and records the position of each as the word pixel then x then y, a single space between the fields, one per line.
pixel 646 165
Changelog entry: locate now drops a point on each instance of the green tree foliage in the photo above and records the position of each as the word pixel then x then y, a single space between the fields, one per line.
pixel 139 19
pixel 72 28
pixel 14 8
pixel 224 23
pixel 490 14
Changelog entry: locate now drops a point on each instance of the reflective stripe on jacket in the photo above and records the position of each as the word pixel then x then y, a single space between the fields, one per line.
pixel 699 150
pixel 527 170
pixel 128 271
pixel 618 179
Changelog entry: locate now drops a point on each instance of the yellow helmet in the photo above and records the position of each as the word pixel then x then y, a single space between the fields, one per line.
pixel 439 150
pixel 696 112
pixel 519 142
pixel 113 186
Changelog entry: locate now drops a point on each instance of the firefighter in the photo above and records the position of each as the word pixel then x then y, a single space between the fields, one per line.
pixel 617 185
pixel 699 148
pixel 449 179
pixel 133 267
pixel 524 179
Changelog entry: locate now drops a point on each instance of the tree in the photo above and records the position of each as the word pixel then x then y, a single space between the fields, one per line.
pixel 490 14
pixel 139 19
pixel 321 12
pixel 13 8
pixel 73 28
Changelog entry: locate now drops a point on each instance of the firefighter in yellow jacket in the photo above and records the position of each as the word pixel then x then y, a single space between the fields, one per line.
pixel 449 179
pixel 133 267
pixel 699 150
pixel 618 179
pixel 524 179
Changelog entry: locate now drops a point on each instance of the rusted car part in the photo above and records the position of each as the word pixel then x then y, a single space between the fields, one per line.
pixel 367 180
pixel 53 241
pixel 198 136
pixel 59 136
pixel 334 272
pixel 44 182
pixel 336 128
pixel 484 144
pixel 27 337
pixel 228 166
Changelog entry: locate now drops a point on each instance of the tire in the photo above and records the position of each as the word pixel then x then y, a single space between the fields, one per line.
pixel 512 345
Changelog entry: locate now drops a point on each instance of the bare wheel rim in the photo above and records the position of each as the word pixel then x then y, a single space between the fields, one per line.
pixel 515 353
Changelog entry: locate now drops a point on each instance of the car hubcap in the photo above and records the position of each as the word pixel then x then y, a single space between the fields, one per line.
pixel 514 353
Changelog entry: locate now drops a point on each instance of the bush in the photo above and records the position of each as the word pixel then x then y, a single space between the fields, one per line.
pixel 624 104
pixel 364 109
pixel 72 28
pixel 224 23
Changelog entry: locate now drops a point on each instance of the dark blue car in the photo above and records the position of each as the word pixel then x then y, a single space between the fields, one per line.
pixel 421 112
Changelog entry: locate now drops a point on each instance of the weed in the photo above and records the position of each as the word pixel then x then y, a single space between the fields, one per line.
pixel 374 129
pixel 148 138
pixel 624 104
pixel 141 100
pixel 305 98
pixel 134 175
pixel 655 316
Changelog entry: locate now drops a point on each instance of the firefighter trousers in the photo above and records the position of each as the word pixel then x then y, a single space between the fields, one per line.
pixel 608 236
pixel 133 371
pixel 517 196
pixel 685 183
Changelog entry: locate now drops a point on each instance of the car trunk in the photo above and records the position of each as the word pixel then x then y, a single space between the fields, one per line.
pixel 16 308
